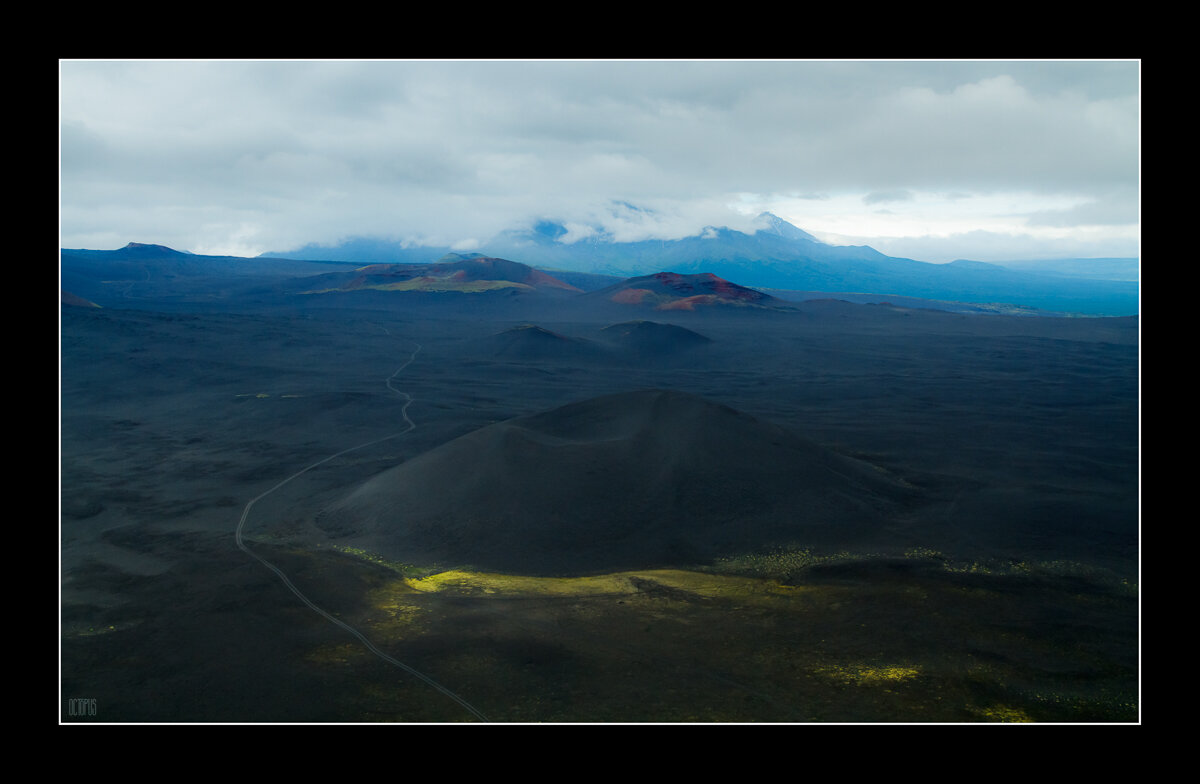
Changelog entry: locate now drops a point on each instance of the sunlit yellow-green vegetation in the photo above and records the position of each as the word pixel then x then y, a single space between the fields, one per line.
pixel 377 559
pixel 781 564
pixel 1001 713
pixel 762 638
pixel 777 571
pixel 393 612
pixel 865 674
pixel 698 583
pixel 704 584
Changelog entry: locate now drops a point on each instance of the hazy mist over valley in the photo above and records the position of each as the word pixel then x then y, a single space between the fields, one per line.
pixel 589 392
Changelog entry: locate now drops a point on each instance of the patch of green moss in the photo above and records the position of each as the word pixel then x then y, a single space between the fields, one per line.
pixel 869 674
pixel 699 584
pixel 1001 713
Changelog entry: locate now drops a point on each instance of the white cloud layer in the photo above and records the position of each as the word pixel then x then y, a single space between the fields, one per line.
pixel 245 157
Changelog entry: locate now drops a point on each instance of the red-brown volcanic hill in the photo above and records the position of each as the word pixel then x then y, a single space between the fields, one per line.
pixel 672 291
pixel 623 481
pixel 486 268
pixel 465 276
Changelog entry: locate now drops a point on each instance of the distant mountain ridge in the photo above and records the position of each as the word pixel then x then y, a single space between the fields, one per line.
pixel 1097 269
pixel 778 255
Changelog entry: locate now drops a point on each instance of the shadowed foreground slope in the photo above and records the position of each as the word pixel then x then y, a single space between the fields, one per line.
pixel 637 479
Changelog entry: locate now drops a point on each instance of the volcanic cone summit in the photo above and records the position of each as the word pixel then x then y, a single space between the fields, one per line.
pixel 636 479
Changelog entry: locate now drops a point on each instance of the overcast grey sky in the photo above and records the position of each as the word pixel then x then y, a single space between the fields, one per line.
pixel 929 160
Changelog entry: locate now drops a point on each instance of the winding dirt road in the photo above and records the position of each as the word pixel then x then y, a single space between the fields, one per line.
pixel 323 613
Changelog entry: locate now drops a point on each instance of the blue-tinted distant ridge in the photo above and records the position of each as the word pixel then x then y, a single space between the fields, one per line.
pixel 778 255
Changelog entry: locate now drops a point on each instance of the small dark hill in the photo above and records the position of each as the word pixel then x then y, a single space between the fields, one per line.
pixel 639 479
pixel 670 291
pixel 653 339
pixel 142 250
pixel 531 343
pixel 72 300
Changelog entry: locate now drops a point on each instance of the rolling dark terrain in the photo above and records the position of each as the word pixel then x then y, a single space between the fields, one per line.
pixel 565 508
